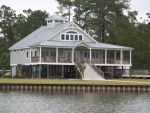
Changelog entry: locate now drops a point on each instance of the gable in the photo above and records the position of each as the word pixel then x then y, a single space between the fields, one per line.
pixel 77 31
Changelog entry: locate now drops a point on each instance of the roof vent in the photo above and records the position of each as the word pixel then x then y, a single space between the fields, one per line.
pixel 54 20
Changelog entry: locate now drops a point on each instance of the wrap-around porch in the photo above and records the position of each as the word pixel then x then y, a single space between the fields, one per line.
pixel 71 55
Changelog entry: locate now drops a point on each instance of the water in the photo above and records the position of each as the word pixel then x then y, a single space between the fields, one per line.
pixel 27 102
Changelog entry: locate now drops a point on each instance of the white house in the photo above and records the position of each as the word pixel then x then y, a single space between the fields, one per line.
pixel 52 50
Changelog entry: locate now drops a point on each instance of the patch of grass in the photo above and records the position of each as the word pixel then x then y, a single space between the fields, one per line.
pixel 76 81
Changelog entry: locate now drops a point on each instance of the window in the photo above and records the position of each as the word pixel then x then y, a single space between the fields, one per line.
pixel 71 37
pixel 86 54
pixel 45 53
pixel 49 21
pixel 62 37
pixel 14 51
pixel 27 54
pixel 94 54
pixel 67 37
pixel 76 37
pixel 56 20
pixel 80 37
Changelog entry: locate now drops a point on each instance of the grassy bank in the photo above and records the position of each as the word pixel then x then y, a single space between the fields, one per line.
pixel 74 81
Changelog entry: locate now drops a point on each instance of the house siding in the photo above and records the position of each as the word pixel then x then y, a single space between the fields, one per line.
pixel 19 57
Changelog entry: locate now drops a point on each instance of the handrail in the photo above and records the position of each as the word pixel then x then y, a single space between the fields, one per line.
pixel 96 69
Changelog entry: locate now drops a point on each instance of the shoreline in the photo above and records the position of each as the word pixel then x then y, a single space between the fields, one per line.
pixel 73 88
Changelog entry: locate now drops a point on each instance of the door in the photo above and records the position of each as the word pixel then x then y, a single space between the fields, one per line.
pixel 76 56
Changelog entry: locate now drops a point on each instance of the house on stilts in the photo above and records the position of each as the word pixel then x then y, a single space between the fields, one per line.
pixel 55 50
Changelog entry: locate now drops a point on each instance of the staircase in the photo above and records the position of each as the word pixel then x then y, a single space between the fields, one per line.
pixel 91 73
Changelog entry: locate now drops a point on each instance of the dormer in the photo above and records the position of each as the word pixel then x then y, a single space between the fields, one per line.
pixel 54 20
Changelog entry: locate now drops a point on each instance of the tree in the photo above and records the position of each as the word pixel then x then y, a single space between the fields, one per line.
pixel 8 18
pixel 34 20
pixel 65 8
pixel 95 15
pixel 4 60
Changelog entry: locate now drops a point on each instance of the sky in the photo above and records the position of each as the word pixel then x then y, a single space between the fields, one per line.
pixel 142 6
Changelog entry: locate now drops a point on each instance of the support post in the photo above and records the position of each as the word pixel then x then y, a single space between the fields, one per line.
pixel 72 55
pixel 121 56
pixel 122 72
pixel 115 54
pixel 130 56
pixel 90 54
pixel 57 55
pixel 40 55
pixel 62 71
pixel 30 55
pixel 105 56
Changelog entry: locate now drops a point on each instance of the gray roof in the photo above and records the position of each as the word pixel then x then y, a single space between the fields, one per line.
pixel 38 35
pixel 76 43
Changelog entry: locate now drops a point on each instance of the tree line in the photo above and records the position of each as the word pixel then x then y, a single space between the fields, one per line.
pixel 103 20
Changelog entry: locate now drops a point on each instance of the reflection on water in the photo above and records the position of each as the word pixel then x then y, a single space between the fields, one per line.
pixel 22 102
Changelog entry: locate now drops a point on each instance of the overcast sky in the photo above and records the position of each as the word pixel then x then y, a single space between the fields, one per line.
pixel 142 6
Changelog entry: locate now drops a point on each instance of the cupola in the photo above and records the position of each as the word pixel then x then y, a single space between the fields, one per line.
pixel 54 20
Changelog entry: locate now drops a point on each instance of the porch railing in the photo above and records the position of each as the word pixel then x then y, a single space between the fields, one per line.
pixel 109 61
pixel 69 60
pixel 65 59
pixel 52 59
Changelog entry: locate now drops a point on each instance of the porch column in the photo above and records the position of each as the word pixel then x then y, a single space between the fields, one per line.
pixel 130 56
pixel 90 54
pixel 30 55
pixel 105 56
pixel 121 56
pixel 115 54
pixel 72 54
pixel 40 55
pixel 57 55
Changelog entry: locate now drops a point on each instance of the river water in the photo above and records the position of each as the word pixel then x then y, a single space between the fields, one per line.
pixel 29 102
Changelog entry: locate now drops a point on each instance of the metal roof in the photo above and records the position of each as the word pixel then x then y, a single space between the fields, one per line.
pixel 39 35
pixel 76 43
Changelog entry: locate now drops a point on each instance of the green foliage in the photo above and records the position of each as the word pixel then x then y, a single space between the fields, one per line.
pixel 17 73
pixel 4 71
pixel 5 60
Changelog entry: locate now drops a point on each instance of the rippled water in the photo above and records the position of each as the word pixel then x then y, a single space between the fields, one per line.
pixel 23 102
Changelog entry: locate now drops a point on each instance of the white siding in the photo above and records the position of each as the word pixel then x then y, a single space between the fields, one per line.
pixel 19 57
